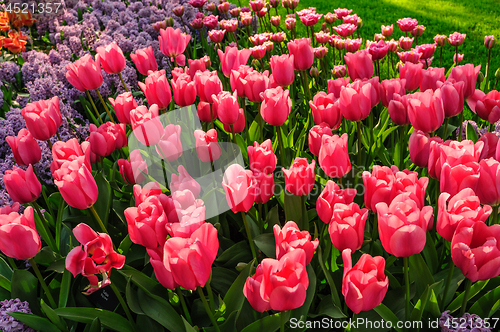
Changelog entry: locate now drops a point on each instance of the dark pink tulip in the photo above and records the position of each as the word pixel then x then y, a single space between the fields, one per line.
pixel 264 186
pixel 335 86
pixel 475 249
pixel 453 97
pixel 353 45
pixel 276 106
pixel 261 158
pixel 387 30
pixel 227 107
pixel 144 60
pixel 456 39
pixel 407 24
pixel 69 151
pixel 331 195
pixel 427 50
pixel 467 74
pixel 379 186
pixel 184 90
pixel 378 50
pixel 207 147
pixel 355 104
pixel 303 54
pixel 125 169
pixel 111 58
pixel 488 187
pixel 18 236
pixel 283 69
pixel 334 156
pixel 419 146
pixel 139 166
pixel 107 138
pixel 123 105
pixel 359 65
pixel 157 89
pixel 254 84
pixel 398 109
pixel 425 110
pixel 232 58
pixel 146 124
pixel 315 137
pixel 197 65
pixel 326 109
pixel 173 42
pixel 84 74
pixel 23 186
pixel 347 226
pixel 76 184
pixel 207 84
pixel 412 73
pixel 464 205
pixel 290 238
pixel 340 13
pixel 345 29
pixel 24 148
pixel 236 79
pixel 406 43
pixel 458 177
pixel 240 188
pixel 43 118
pixel 453 153
pixel 490 141
pixel 239 125
pixel 430 78
pixel 410 57
pixel 409 182
pixel 389 88
pixel 299 178
pixel 488 107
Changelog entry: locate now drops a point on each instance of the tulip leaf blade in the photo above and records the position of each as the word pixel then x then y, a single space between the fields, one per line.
pixel 420 273
pixel 95 326
pixel 269 324
pixel 161 311
pixel 86 315
pixel 487 304
pixel 35 322
pixel 64 291
pixel 388 315
pixel 266 243
pixel 471 133
pixel 474 290
pixel 234 297
pixel 132 299
pixel 104 200
pixel 53 317
pixel 138 278
pixel 24 286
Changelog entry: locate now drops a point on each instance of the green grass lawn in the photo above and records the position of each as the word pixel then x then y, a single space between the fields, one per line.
pixel 475 18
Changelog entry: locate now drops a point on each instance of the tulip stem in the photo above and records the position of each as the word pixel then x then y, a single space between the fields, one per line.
pixel 306 85
pixel 401 147
pixel 210 294
pixel 280 143
pixel 494 215
pixel 12 263
pixel 358 124
pixel 460 126
pixel 183 304
pixel 99 221
pixel 282 321
pixel 42 282
pixel 466 296
pixel 207 309
pixel 305 219
pixel 122 302
pixel 448 282
pixel 105 106
pixel 261 220
pixel 407 291
pixel 445 128
pixel 50 144
pixel 249 234
pixel 45 226
pixel 123 82
pixel 93 105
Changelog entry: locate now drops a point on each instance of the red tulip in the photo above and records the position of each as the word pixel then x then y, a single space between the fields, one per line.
pixel 315 137
pixel 240 188
pixel 299 178
pixel 23 186
pixel 232 58
pixel 84 74
pixel 488 186
pixel 333 155
pixel 335 86
pixel 364 286
pixel 237 77
pixel 475 249
pixel 347 226
pixel 255 84
pixel 325 108
pixel 227 107
pixel 206 112
pixel 111 58
pixel 43 118
pixel 402 225
pixel 453 98
pixel 290 238
pixel 207 84
pixel 303 53
pixel 430 78
pixel 123 105
pixel 184 90
pixel 419 146
pixel 125 169
pixel 467 74
pixel 76 184
pixel 95 255
pixel 331 195
pixel 412 73
pixel 278 284
pixel 264 186
pixel 261 158
pixel 107 138
pixel 18 236
pixel 24 148
pixel 282 67
pixel 146 125
pixel 464 205
pixel 157 89
pixel 276 106
pixel 425 110
pixel 239 125
pixel 173 42
pixel 144 60
pixel 189 260
pixel 170 147
pixel 359 65
pixel 207 147
pixel 355 102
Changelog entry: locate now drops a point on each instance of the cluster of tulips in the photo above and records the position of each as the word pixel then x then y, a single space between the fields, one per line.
pixel 269 110
pixel 11 22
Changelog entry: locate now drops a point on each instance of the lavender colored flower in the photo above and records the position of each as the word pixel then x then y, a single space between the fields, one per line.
pixel 8 71
pixel 7 322
pixel 1 98
pixel 467 323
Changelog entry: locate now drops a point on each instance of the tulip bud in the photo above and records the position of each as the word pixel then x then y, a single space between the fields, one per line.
pixel 241 266
pixel 314 72
pixel 178 11
pixel 497 74
pixel 211 6
pixel 169 21
pixel 490 41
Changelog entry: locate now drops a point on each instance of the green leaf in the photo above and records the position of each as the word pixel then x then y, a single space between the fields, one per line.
pixel 474 290
pixel 234 297
pixel 487 304
pixel 430 254
pixel 35 322
pixel 132 299
pixel 419 272
pixel 138 278
pixel 293 208
pixel 471 133
pixel 95 326
pixel 54 318
pixel 422 302
pixel 5 269
pixel 265 242
pixel 5 283
pixel 64 290
pixel 254 131
pixel 302 312
pixel 104 200
pixel 239 252
pixel 388 315
pixel 272 217
pixel 25 287
pixel 268 324
pixel 109 319
pixel 161 311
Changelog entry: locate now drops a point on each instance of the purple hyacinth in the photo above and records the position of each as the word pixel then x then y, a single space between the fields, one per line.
pixel 7 322
pixel 467 323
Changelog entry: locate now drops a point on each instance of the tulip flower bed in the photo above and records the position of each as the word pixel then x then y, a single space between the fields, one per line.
pixel 246 171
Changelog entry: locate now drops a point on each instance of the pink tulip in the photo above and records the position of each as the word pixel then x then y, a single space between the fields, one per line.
pixel 458 177
pixel 302 52
pixel 457 58
pixel 276 106
pixel 375 89
pixel 391 87
pixel 107 138
pixel 261 157
pixel 315 137
pixel 355 102
pixel 239 125
pixel 197 3
pixel 410 57
pixel 412 73
pixel 299 178
pixel 207 147
pixel 186 214
pixel 456 39
pixel 347 226
pixel 24 148
pixel 467 74
pixel 170 147
pixel 331 195
pixel 264 186
pixel 340 13
pixel 359 65
pixel 453 153
pixel 490 42
pixel 364 286
pixel 18 236
pixel 427 50
pixel 387 30
pixel 488 107
pixel 255 84
pixel 378 50
pixel 282 67
pixel 326 109
pixel 453 97
pixel 206 112
pixel 430 78
pixel 146 124
pixel 398 109
pixel 96 254
pixel 111 58
pixel 488 187
pixel 379 186
pixel 173 42
pixel 290 238
pixel 139 166
pixel 184 181
pixel 123 105
pixel 353 45
pixel 240 188
pixel 407 24
pixel 184 90
pixel 157 89
pixel 237 77
pixel 207 84
pixel 464 205
pixel 334 156
pixel 409 182
pixel 144 60
pixel 227 107
pixel 345 30
pixel 216 36
pixel 76 184
pixel 125 169
pixel 339 72
pixel 232 58
pixel 419 146
pixel 70 151
pixel 402 225
pixel 23 186
pixel 490 141
pixel 84 74
pixel 335 86
pixel 425 110
pixel 43 118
